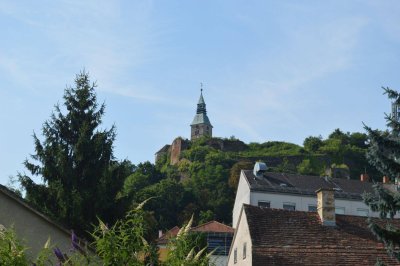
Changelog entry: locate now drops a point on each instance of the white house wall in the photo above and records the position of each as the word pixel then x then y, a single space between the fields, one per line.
pixel 242 197
pixel 351 207
pixel 242 235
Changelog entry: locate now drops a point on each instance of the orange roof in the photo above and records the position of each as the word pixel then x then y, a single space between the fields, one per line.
pixel 170 233
pixel 213 226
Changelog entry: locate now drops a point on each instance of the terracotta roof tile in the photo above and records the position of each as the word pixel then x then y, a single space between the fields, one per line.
pixel 282 237
pixel 167 235
pixel 213 226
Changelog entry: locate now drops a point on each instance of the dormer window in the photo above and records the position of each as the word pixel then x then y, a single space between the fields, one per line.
pixel 362 212
pixel 290 206
pixel 264 204
pixel 339 210
pixel 312 208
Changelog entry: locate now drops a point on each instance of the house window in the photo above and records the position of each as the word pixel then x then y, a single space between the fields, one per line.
pixel 244 250
pixel 362 212
pixel 312 208
pixel 339 210
pixel 235 256
pixel 264 204
pixel 290 206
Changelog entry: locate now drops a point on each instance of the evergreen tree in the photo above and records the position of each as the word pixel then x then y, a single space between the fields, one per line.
pixel 75 161
pixel 384 154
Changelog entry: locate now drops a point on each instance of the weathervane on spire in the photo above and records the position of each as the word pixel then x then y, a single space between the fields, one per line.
pixel 201 87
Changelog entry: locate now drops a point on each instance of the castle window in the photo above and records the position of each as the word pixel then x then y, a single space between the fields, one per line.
pixel 244 250
pixel 235 256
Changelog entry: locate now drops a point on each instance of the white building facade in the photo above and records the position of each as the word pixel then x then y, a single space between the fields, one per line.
pixel 297 193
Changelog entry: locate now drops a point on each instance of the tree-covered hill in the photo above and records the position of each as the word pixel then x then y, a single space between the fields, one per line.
pixel 204 177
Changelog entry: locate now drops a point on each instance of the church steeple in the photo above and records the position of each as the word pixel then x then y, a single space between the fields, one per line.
pixel 201 105
pixel 201 125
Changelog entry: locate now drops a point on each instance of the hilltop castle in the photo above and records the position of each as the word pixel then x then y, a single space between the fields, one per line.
pixel 201 125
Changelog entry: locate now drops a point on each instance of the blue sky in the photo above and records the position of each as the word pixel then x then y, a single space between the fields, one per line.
pixel 272 70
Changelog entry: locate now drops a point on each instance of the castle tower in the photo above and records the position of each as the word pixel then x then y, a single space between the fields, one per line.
pixel 201 125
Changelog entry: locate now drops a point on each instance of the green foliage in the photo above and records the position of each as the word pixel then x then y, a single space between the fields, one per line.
pixel 12 251
pixel 272 148
pixel 124 242
pixel 187 249
pixel 285 167
pixel 310 166
pixel 343 148
pixel 383 153
pixel 313 144
pixel 235 172
pixel 75 162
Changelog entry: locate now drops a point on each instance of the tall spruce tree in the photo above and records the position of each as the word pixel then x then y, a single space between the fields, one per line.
pixel 75 161
pixel 384 154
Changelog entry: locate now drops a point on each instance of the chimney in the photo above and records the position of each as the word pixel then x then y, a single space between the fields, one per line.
pixel 160 233
pixel 385 179
pixel 259 169
pixel 364 178
pixel 326 206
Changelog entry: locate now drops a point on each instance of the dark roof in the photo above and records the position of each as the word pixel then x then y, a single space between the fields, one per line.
pixel 282 237
pixel 164 149
pixel 306 184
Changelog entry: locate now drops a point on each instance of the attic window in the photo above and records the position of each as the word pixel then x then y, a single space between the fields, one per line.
pixel 312 208
pixel 362 212
pixel 339 210
pixel 244 250
pixel 235 256
pixel 290 206
pixel 264 204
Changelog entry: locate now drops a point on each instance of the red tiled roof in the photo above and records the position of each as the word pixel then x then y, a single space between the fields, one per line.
pixel 169 234
pixel 213 226
pixel 282 237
